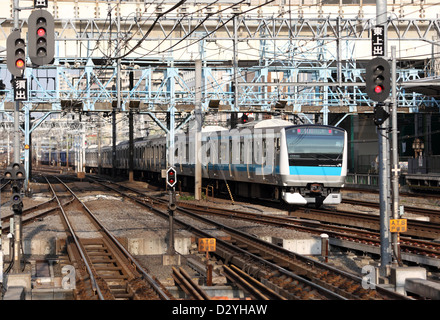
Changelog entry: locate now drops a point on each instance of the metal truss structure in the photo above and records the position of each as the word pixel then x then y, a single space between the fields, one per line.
pixel 251 60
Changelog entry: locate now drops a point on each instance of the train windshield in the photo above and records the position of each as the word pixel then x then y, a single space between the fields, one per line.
pixel 315 145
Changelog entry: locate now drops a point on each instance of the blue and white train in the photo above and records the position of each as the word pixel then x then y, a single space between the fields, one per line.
pixel 268 159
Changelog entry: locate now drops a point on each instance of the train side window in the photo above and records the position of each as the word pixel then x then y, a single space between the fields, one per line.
pixel 208 154
pixel 230 151
pixel 277 144
pixel 264 148
pixel 246 148
pixel 223 152
pixel 236 152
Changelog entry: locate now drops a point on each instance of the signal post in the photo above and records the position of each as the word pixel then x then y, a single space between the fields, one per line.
pixel 171 258
pixel 378 87
pixel 380 80
pixel 16 63
pixel 41 52
pixel 16 175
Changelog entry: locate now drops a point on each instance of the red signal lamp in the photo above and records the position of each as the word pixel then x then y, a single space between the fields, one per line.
pixel 378 89
pixel 171 177
pixel 19 63
pixel 41 32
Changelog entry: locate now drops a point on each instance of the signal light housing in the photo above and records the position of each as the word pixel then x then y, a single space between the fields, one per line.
pixel 380 115
pixel 15 172
pixel 41 37
pixel 16 54
pixel 16 197
pixel 171 177
pixel 378 79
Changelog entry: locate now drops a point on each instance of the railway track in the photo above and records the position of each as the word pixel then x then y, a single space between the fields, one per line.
pixel 184 281
pixel 423 248
pixel 254 287
pixel 302 278
pixel 433 215
pixel 105 270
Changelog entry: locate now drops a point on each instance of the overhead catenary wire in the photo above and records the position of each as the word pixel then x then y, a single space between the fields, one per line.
pixel 114 52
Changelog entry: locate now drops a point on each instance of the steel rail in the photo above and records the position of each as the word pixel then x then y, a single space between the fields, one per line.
pixel 230 247
pixel 250 284
pixel 157 288
pixel 432 213
pixel 187 284
pixel 223 227
pixel 95 287
pixel 415 246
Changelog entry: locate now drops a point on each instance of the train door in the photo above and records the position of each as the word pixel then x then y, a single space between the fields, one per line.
pixel 235 155
pixel 277 156
pixel 247 155
pixel 258 154
pixel 150 156
pixel 230 156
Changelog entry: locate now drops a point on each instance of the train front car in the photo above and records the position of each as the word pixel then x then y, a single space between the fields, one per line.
pixel 313 164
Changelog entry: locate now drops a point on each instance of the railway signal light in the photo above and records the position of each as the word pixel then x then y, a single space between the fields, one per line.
pixel 15 52
pixel 244 118
pixel 15 172
pixel 16 195
pixel 171 177
pixel 41 37
pixel 16 198
pixel 380 115
pixel 378 79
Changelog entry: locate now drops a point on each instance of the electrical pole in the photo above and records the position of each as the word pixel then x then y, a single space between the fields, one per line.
pixel 198 132
pixel 385 246
pixel 130 133
pixel 395 170
pixel 118 93
pixel 17 213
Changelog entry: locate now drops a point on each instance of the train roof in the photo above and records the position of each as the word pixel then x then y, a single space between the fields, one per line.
pixel 268 123
pixel 213 128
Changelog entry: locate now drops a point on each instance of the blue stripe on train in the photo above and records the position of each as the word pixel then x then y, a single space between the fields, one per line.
pixel 315 171
pixel 294 170
pixel 238 167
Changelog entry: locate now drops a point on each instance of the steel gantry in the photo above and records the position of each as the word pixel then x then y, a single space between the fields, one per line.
pixel 314 63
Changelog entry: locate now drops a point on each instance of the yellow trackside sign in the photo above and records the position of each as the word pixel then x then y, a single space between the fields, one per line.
pixel 206 244
pixel 398 225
